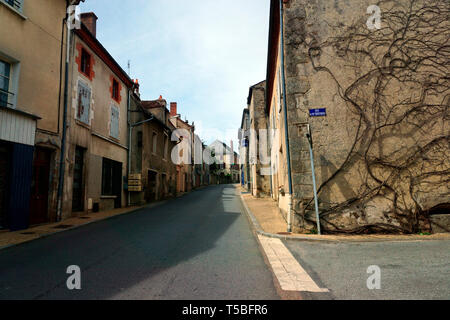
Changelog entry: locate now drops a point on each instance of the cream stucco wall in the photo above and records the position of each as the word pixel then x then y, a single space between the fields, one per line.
pixel 32 41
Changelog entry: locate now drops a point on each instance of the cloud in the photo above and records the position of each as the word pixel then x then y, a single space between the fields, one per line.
pixel 204 54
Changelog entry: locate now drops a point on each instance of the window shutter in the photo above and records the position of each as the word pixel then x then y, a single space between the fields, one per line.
pixel 84 102
pixel 114 122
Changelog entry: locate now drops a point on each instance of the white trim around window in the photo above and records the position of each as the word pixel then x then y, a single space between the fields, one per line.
pixel 15 6
pixel 13 80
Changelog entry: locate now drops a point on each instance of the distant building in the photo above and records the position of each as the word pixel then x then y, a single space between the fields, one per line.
pixel 244 140
pixel 226 161
pixel 185 170
pixel 151 155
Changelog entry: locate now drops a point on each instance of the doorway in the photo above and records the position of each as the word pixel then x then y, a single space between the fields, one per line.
pixel 112 180
pixel 117 184
pixel 40 186
pixel 164 189
pixel 78 183
pixel 151 190
pixel 5 154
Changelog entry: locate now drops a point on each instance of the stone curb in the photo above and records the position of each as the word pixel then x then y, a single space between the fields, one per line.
pixel 260 231
pixel 46 235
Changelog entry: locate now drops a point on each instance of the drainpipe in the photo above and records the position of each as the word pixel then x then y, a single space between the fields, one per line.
pixel 64 128
pixel 286 128
pixel 129 143
pixel 270 142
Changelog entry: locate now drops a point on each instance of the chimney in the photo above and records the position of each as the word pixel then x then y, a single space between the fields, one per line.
pixel 136 86
pixel 173 109
pixel 89 19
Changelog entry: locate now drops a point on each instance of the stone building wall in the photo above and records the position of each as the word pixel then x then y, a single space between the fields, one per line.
pixel 381 153
pixel 258 121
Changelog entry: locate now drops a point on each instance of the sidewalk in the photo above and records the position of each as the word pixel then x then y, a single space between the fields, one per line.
pixel 11 238
pixel 268 221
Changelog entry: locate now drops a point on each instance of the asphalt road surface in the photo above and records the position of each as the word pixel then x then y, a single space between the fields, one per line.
pixel 199 246
pixel 408 269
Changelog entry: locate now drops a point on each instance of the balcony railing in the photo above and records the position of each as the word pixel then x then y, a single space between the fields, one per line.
pixel 4 98
pixel 16 4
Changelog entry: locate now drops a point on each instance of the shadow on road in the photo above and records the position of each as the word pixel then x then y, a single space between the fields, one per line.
pixel 119 253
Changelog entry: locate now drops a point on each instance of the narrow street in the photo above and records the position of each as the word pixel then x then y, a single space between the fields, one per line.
pixel 199 246
pixel 265 152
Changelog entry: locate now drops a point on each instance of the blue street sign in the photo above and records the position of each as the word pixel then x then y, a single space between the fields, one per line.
pixel 318 112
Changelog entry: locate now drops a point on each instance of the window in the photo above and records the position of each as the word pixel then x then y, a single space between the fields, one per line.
pixel 154 140
pixel 166 145
pixel 85 63
pixel 16 4
pixel 114 130
pixel 115 90
pixel 139 139
pixel 5 76
pixel 111 177
pixel 84 102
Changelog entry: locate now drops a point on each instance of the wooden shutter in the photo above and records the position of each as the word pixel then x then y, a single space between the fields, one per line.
pixel 114 122
pixel 84 102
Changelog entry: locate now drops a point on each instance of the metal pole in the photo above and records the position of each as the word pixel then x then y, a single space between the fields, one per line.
pixel 316 202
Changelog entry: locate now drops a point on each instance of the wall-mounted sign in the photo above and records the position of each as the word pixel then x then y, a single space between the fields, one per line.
pixel 135 188
pixel 135 176
pixel 322 112
pixel 134 183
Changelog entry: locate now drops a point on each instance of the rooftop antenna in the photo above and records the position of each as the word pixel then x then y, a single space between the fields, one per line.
pixel 129 68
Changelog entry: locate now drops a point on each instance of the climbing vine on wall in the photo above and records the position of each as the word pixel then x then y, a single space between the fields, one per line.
pixel 399 96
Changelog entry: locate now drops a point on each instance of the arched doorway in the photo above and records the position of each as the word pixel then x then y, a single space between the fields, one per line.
pixel 440 218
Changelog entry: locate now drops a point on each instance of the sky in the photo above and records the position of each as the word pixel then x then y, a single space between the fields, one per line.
pixel 202 54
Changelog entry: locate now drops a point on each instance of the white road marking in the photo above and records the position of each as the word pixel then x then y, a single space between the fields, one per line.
pixel 290 274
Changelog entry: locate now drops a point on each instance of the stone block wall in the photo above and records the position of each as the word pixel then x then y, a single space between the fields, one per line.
pixel 381 153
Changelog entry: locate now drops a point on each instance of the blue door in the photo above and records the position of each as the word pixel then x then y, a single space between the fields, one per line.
pixel 20 186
